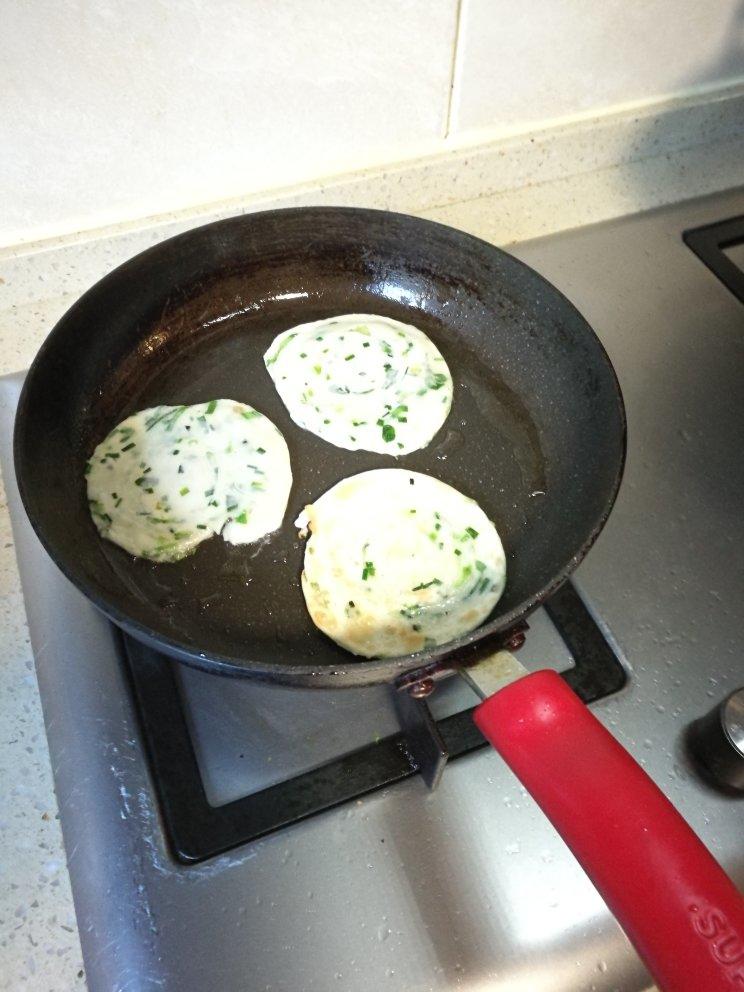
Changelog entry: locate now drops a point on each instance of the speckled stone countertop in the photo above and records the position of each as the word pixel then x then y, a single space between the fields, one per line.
pixel 39 945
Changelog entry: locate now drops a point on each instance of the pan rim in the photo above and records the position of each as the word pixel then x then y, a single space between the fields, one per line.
pixel 357 671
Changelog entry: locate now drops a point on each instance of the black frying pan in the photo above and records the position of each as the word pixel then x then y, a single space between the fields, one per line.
pixel 536 434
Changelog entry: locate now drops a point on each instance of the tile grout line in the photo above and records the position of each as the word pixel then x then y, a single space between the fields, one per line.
pixel 453 68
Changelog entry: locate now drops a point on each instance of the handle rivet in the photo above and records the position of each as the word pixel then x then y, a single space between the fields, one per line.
pixel 422 689
pixel 515 641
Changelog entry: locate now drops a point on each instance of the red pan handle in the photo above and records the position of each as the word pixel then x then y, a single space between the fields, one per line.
pixel 674 901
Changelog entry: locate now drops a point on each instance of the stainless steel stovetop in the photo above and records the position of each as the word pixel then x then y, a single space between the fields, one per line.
pixel 467 887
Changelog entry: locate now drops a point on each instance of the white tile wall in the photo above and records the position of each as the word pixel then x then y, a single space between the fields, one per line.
pixel 112 109
pixel 520 62
pixel 118 109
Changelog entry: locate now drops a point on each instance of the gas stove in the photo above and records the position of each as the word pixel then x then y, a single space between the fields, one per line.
pixel 232 836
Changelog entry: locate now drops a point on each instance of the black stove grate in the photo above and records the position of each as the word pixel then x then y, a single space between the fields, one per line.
pixel 710 243
pixel 197 831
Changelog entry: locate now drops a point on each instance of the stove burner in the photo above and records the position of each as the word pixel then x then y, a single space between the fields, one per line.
pixel 197 830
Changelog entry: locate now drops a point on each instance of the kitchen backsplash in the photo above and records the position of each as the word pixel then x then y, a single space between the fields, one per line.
pixel 112 111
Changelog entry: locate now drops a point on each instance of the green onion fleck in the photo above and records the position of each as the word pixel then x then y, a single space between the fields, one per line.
pixel 464 574
pixel 279 350
pixel 183 490
pixel 435 380
pixel 388 432
pixel 242 518
pixel 425 585
pixel 368 570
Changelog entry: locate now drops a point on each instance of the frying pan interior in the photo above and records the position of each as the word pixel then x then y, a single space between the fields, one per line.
pixel 536 433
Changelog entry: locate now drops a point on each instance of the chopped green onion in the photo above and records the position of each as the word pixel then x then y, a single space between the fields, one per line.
pixel 435 380
pixel 279 350
pixel 425 585
pixel 168 418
